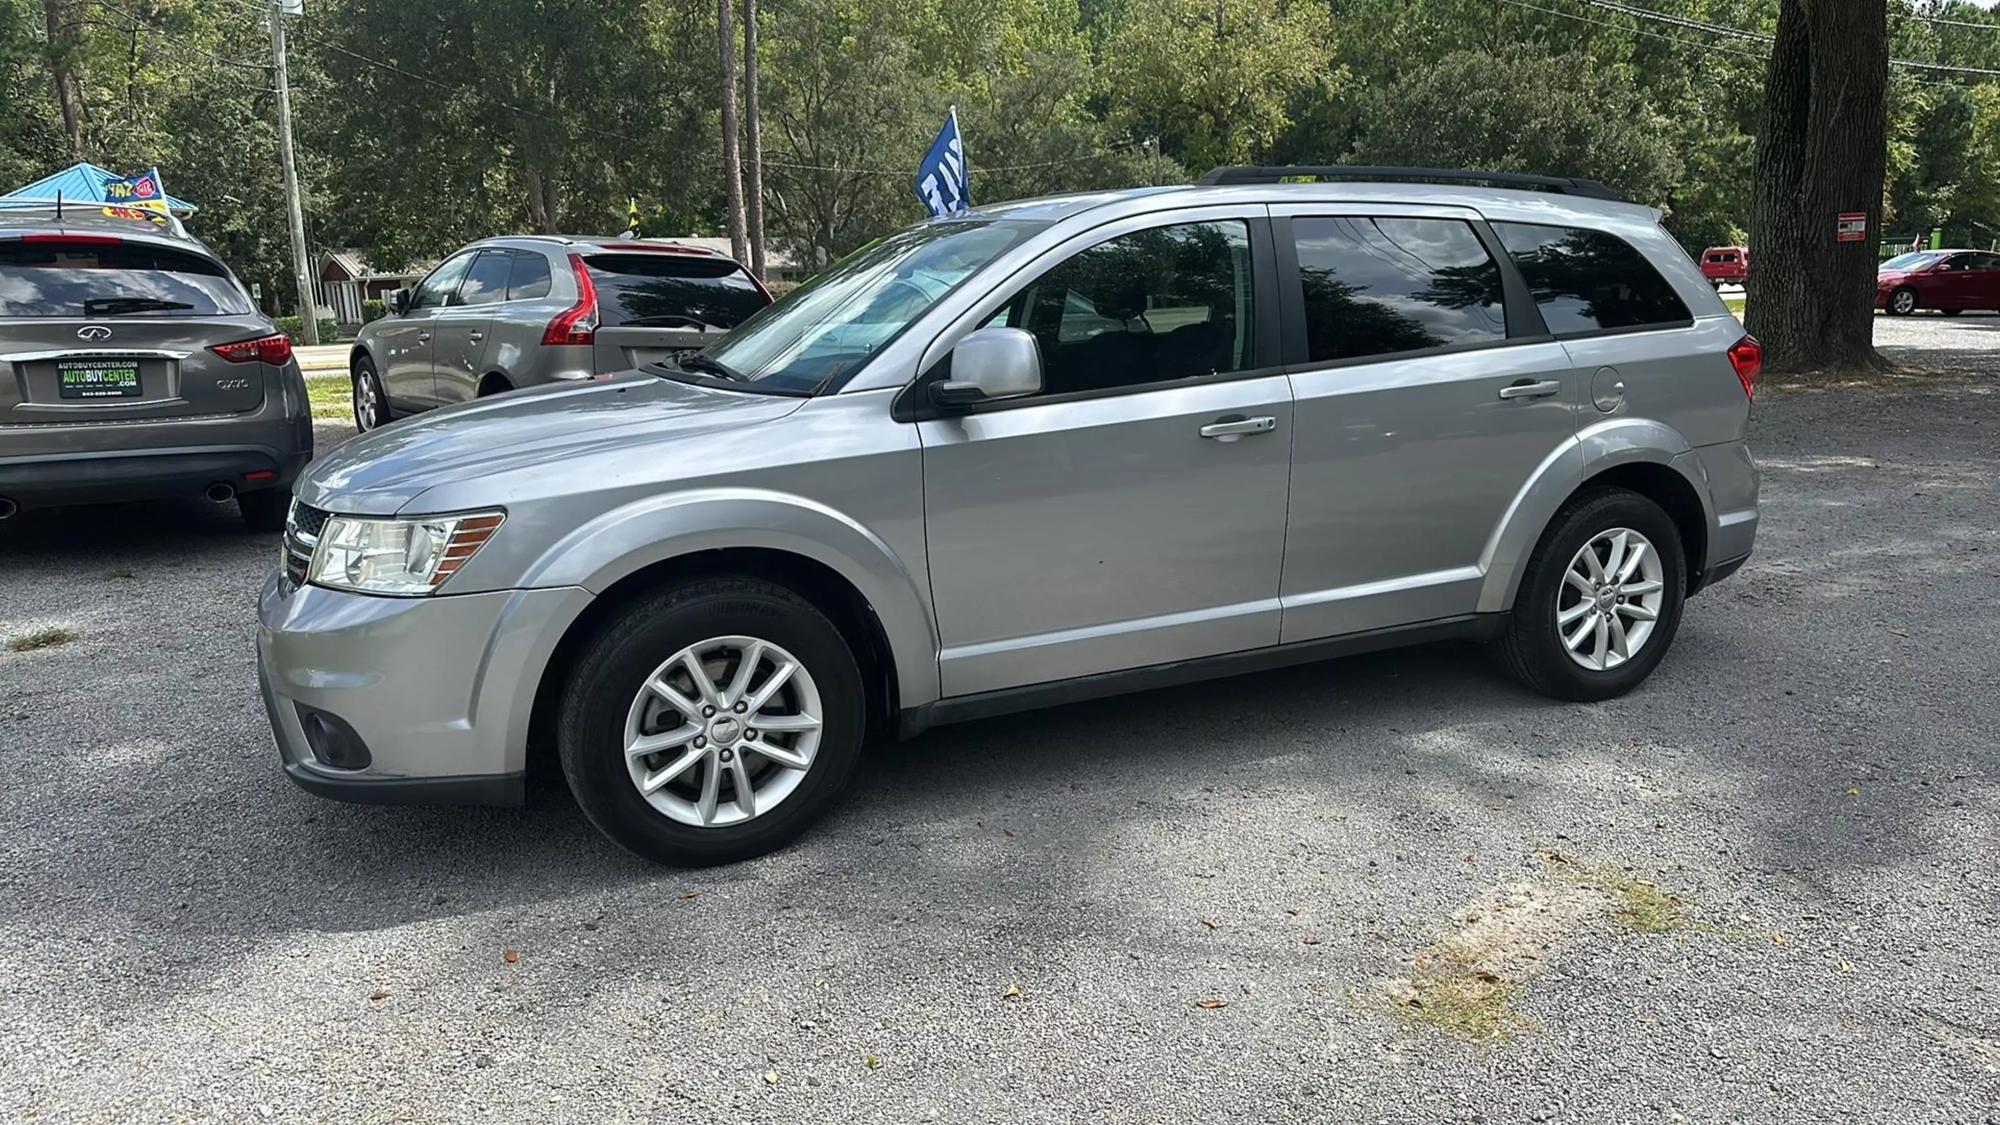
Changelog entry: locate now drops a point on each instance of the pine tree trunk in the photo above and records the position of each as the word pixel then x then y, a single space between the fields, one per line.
pixel 62 73
pixel 752 136
pixel 1821 151
pixel 732 157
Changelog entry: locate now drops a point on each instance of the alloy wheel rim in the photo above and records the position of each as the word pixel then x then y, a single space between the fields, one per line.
pixel 1610 600
pixel 723 731
pixel 1905 301
pixel 364 401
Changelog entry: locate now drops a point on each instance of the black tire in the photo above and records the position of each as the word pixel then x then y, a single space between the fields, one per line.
pixel 1895 298
pixel 266 510
pixel 614 665
pixel 494 384
pixel 1532 649
pixel 364 370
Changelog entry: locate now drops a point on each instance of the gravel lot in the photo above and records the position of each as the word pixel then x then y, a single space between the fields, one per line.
pixel 185 936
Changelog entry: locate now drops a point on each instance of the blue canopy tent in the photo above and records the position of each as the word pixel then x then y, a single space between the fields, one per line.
pixel 83 185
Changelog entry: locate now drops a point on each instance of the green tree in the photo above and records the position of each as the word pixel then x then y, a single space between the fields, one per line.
pixel 1522 111
pixel 1214 80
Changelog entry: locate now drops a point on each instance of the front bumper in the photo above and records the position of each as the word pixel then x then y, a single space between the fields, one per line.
pixel 438 690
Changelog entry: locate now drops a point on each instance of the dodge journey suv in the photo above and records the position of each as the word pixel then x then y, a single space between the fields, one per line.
pixel 1042 452
pixel 133 367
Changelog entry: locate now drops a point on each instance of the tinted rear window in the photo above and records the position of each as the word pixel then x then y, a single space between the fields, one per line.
pixel 1590 281
pixel 664 290
pixel 82 279
pixel 1382 286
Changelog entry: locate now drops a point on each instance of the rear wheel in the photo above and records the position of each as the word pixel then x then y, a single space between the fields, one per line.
pixel 711 722
pixel 371 407
pixel 1902 302
pixel 1600 600
pixel 266 510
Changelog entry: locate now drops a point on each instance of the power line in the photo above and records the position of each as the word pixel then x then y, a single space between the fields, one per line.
pixel 134 23
pixel 1910 13
pixel 1722 30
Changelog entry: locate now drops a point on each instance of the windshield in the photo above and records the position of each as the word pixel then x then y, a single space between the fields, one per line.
pixel 54 277
pixel 1915 260
pixel 828 327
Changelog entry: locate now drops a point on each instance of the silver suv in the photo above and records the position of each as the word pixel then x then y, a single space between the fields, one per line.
pixel 133 367
pixel 1043 452
pixel 520 312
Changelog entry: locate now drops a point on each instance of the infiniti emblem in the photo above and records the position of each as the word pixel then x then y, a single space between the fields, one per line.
pixel 93 332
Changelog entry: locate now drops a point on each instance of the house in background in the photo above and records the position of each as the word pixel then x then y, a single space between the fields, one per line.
pixel 347 279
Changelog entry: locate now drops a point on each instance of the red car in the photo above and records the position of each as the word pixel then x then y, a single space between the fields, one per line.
pixel 1725 265
pixel 1950 281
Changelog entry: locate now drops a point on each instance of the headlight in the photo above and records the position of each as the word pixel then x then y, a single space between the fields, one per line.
pixel 398 556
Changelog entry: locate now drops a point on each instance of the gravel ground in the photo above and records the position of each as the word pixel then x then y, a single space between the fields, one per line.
pixel 184 936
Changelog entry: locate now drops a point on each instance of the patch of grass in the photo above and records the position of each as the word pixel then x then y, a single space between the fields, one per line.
pixel 49 636
pixel 1461 999
pixel 1637 906
pixel 1735 305
pixel 332 396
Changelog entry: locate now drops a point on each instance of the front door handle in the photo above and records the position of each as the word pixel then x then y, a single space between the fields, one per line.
pixel 1528 388
pixel 423 337
pixel 475 337
pixel 1233 426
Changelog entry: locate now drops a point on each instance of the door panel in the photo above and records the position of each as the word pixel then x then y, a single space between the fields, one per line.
pixel 407 340
pixel 1402 471
pixel 1080 537
pixel 1417 420
pixel 459 344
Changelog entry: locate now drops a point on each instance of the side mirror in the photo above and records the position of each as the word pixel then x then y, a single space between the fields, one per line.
pixel 989 365
pixel 397 301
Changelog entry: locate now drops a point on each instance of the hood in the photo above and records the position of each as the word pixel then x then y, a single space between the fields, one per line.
pixel 381 471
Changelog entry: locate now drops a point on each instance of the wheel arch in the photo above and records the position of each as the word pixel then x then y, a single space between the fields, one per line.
pixel 844 569
pixel 493 383
pixel 828 591
pixel 1642 455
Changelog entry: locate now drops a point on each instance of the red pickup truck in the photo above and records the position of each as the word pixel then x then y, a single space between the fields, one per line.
pixel 1725 265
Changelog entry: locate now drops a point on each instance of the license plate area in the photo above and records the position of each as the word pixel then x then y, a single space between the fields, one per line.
pixel 93 379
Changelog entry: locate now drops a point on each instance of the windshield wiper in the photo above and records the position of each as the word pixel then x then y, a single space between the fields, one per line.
pixel 116 306
pixel 698 361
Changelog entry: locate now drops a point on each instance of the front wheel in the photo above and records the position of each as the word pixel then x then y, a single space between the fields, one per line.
pixel 711 722
pixel 371 407
pixel 1902 302
pixel 1600 599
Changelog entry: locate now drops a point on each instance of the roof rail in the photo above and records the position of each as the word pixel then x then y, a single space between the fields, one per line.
pixel 1271 174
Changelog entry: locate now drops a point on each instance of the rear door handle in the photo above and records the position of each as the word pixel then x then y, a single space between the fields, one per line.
pixel 475 337
pixel 1231 427
pixel 423 337
pixel 1530 389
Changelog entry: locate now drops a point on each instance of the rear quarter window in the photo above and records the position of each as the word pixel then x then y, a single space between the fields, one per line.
pixel 665 290
pixel 55 278
pixel 1590 281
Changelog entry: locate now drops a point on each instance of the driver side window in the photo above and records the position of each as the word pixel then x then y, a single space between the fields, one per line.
pixel 1147 307
pixel 436 290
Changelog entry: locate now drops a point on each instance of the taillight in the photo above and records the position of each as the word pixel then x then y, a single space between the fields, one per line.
pixel 578 323
pixel 274 350
pixel 1747 357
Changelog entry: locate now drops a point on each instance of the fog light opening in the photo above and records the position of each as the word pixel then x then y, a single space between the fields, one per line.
pixel 333 742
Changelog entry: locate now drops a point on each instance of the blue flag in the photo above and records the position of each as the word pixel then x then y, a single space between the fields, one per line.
pixel 941 178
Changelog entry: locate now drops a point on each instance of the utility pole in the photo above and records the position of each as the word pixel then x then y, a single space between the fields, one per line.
pixel 301 270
